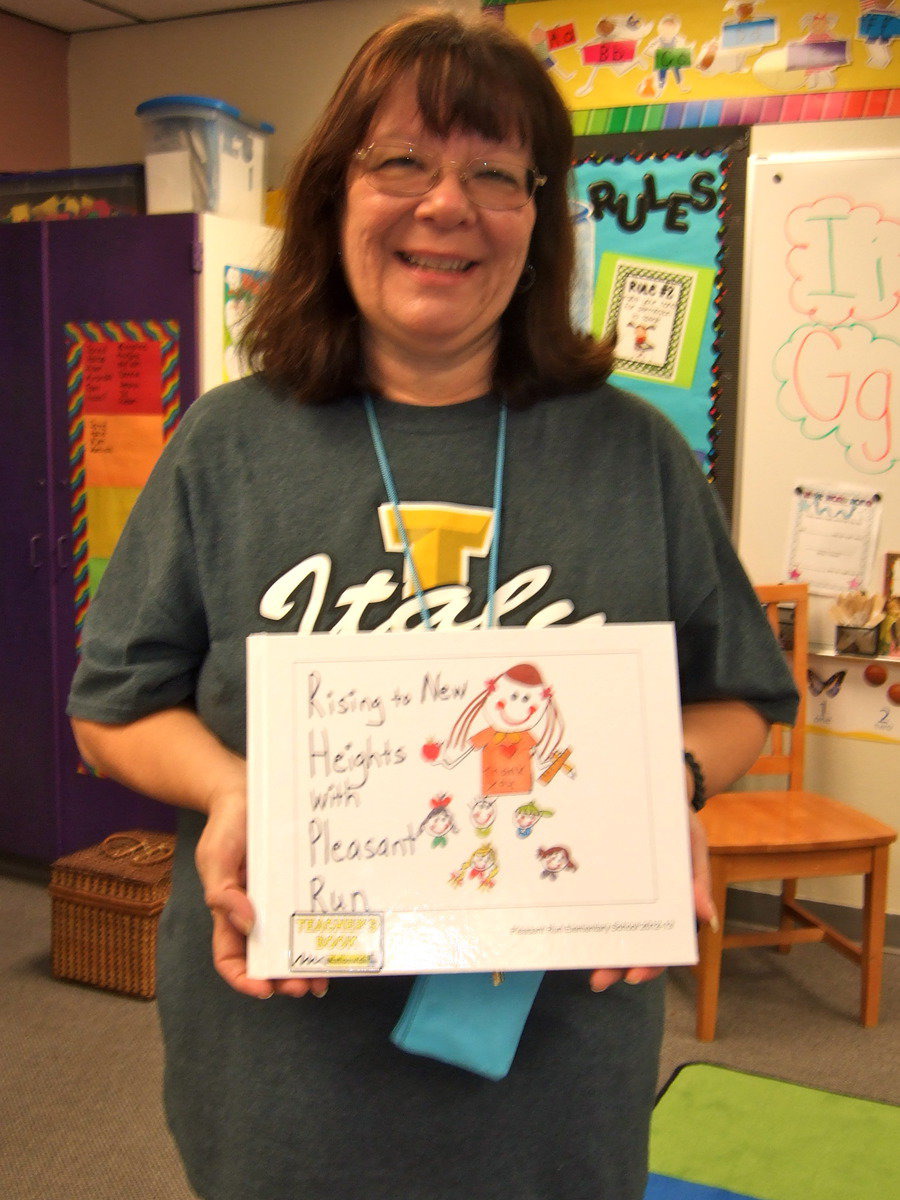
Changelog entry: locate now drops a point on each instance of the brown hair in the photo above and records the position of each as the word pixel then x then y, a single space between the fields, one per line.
pixel 471 74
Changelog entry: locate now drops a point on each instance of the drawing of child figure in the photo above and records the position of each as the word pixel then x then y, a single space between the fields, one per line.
pixel 527 816
pixel 555 860
pixel 439 822
pixel 522 724
pixel 671 52
pixel 540 44
pixel 481 866
pixel 483 812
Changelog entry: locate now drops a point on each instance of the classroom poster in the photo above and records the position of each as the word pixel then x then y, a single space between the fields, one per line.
pixel 502 799
pixel 833 535
pixel 123 405
pixel 603 57
pixel 650 237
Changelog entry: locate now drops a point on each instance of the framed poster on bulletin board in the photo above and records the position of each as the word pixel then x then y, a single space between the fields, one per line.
pixel 659 221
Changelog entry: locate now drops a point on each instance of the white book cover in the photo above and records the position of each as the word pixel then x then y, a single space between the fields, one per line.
pixel 506 799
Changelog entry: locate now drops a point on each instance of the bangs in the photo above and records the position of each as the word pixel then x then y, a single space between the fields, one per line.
pixel 456 93
pixel 469 76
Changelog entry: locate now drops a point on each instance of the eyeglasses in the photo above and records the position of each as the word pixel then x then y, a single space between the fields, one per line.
pixel 401 170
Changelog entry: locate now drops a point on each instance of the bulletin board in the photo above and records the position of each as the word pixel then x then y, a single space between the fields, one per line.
pixel 821 403
pixel 726 61
pixel 659 221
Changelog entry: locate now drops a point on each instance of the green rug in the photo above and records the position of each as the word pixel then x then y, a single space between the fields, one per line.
pixel 719 1133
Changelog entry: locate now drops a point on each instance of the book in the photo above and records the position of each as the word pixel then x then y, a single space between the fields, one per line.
pixel 504 799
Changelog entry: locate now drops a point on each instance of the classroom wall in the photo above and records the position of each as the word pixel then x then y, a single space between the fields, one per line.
pixel 280 64
pixel 34 104
pixel 856 770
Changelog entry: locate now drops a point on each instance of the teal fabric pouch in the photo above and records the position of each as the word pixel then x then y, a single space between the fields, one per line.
pixel 468 1021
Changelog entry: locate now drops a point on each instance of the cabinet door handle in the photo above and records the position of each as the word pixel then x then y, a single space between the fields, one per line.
pixel 34 551
pixel 61 559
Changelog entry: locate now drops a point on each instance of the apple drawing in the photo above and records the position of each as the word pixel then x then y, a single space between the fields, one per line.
pixel 431 750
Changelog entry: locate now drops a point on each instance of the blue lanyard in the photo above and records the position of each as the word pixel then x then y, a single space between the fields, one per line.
pixel 390 488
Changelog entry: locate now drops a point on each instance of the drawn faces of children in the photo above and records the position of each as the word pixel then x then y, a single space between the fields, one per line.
pixel 513 707
pixel 557 861
pixel 554 861
pixel 526 820
pixel 483 866
pixel 483 858
pixel 438 823
pixel 483 812
pixel 527 816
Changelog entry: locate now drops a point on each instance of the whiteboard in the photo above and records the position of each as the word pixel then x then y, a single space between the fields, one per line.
pixel 820 392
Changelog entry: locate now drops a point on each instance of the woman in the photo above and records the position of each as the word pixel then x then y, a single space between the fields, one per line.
pixel 426 261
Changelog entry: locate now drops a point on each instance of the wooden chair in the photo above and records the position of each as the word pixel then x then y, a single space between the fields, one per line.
pixel 789 835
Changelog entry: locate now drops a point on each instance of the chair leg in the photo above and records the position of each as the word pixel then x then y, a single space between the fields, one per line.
pixel 874 906
pixel 709 966
pixel 786 923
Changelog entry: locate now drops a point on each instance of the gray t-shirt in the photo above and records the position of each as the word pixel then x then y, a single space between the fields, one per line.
pixel 265 515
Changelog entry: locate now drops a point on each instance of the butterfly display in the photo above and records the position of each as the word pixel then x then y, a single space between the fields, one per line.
pixel 830 686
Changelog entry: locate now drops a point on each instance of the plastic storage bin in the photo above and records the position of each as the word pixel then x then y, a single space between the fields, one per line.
pixel 203 155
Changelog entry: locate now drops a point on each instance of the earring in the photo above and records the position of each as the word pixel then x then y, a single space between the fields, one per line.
pixel 526 279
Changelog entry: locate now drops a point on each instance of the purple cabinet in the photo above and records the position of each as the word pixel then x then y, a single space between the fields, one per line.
pixel 53 275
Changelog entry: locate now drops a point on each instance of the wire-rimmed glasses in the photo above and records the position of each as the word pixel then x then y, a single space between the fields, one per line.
pixel 400 169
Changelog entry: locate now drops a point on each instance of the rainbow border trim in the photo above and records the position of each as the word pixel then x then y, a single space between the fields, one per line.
pixel 750 110
pixel 166 333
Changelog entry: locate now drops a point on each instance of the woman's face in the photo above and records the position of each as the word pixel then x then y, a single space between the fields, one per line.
pixel 432 274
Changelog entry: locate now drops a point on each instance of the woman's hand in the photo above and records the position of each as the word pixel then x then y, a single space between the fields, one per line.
pixel 604 977
pixel 222 863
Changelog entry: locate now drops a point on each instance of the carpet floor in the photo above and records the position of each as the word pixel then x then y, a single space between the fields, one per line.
pixel 757 1138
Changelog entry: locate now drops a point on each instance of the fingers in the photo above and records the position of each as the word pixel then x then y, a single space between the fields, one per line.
pixel 221 861
pixel 703 901
pixel 229 947
pixel 229 950
pixel 643 974
pixel 300 987
pixel 605 977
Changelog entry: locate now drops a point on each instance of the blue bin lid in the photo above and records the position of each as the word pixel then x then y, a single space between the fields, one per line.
pixel 158 104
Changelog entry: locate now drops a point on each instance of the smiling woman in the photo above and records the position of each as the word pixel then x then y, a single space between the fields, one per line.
pixel 414 343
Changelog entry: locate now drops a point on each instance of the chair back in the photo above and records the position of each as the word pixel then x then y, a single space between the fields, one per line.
pixel 783 754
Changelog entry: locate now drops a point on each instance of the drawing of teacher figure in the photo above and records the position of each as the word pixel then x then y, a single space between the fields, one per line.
pixel 522 727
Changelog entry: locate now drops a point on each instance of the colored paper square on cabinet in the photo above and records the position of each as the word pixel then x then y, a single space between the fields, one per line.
pixel 122 377
pixel 107 512
pixel 120 451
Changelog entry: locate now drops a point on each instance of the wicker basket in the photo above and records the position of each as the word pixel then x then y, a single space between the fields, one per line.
pixel 106 902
